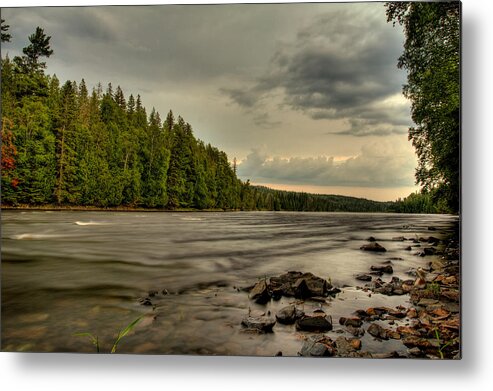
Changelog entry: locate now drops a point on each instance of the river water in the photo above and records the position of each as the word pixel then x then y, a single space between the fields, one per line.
pixel 70 272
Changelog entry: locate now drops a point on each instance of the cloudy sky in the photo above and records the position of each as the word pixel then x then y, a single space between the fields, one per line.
pixel 305 96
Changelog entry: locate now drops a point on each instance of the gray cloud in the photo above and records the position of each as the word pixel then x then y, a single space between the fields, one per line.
pixel 379 164
pixel 339 67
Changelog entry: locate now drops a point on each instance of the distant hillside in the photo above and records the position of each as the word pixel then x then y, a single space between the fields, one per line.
pixel 270 199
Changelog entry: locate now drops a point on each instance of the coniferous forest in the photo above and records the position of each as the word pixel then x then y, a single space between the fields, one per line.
pixel 64 144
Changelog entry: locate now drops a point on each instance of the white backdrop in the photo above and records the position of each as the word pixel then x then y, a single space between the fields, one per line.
pixel 474 371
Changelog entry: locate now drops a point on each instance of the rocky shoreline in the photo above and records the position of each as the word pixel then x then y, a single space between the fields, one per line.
pixel 429 327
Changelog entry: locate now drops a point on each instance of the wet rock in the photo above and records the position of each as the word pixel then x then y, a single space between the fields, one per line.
pixel 152 293
pixel 376 273
pixel 427 251
pixel 412 313
pixel 374 247
pixel 371 239
pixel 382 268
pixel 361 314
pixel 318 346
pixel 145 301
pixel 278 354
pixel 289 314
pixel 426 302
pixel 314 323
pixel 261 323
pixel 421 343
pixel 407 331
pixel 355 322
pixel 356 331
pixel 433 240
pixel 333 291
pixel 300 285
pixel 408 248
pixel 363 277
pixel 260 292
pixel 377 331
pixel 165 292
pixel 399 238
pixel 395 259
pixel 345 346
pixel 432 229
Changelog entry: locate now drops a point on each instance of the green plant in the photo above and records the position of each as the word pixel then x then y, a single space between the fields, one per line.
pixel 122 333
pixel 440 346
pixel 433 289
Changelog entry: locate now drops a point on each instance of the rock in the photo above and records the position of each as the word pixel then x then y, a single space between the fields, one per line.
pixel 355 322
pixel 278 354
pixel 314 323
pixel 428 251
pixel 395 259
pixel 434 240
pixel 376 273
pixel 377 331
pixel 260 292
pixel 382 268
pixel 356 331
pixel 262 324
pixel 371 239
pixel 297 284
pixel 334 291
pixel 408 248
pixel 426 302
pixel 152 293
pixel 318 346
pixel 412 313
pixel 399 238
pixel 361 314
pixel 145 301
pixel 421 343
pixel 432 229
pixel 374 246
pixel 346 345
pixel 288 315
pixel 355 343
pixel 406 330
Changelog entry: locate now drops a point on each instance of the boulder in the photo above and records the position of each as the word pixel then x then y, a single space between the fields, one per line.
pixel 289 314
pixel 297 284
pixel 374 247
pixel 363 277
pixel 314 323
pixel 260 292
pixel 261 323
pixel 408 248
pixel 371 239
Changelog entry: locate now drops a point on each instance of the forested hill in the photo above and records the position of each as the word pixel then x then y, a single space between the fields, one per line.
pixel 65 146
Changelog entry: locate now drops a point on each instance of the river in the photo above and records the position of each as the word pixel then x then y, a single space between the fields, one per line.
pixel 66 272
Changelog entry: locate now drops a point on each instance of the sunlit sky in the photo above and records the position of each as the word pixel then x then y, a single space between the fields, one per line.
pixel 306 96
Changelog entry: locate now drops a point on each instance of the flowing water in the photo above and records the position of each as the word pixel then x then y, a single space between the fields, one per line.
pixel 69 272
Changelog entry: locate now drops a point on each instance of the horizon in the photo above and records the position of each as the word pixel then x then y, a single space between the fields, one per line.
pixel 309 99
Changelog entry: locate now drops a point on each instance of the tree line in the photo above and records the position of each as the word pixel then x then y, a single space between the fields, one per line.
pixel 65 145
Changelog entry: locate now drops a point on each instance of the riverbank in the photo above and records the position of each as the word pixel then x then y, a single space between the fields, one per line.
pixel 429 326
pixel 58 208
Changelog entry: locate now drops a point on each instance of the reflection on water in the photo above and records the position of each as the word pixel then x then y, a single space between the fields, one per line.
pixel 68 272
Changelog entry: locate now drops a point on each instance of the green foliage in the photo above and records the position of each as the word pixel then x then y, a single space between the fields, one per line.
pixel 432 59
pixel 122 333
pixel 5 35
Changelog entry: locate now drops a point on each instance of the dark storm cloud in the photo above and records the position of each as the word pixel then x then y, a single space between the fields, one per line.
pixel 342 66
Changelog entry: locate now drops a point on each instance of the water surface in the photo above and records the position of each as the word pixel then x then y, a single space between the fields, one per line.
pixel 67 272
